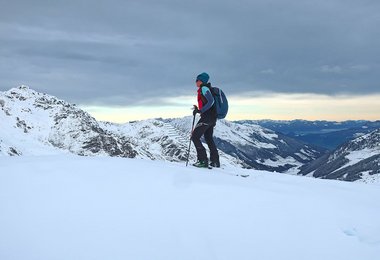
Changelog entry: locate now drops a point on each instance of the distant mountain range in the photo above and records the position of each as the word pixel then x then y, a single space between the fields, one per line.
pixel 326 134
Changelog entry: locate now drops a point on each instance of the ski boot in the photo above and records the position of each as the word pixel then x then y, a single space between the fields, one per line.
pixel 201 164
pixel 215 164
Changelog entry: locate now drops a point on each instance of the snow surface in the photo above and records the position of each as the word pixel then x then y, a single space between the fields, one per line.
pixel 368 178
pixel 71 207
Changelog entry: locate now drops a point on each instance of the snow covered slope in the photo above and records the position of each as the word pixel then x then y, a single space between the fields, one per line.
pixel 71 207
pixel 357 159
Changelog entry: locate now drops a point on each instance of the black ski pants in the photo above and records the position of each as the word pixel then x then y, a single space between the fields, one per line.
pixel 206 128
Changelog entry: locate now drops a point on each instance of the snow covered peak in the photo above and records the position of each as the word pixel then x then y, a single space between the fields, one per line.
pixel 22 93
pixel 34 123
pixel 28 95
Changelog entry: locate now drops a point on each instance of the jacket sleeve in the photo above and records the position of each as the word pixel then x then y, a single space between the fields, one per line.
pixel 210 99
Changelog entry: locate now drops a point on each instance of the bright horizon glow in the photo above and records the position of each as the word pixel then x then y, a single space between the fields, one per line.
pixel 255 106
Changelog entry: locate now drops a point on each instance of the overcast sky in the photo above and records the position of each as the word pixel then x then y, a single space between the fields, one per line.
pixel 146 52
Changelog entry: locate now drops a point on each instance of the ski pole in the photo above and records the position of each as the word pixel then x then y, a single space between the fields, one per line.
pixel 188 152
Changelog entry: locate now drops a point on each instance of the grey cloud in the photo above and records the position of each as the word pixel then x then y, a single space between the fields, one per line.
pixel 331 69
pixel 130 52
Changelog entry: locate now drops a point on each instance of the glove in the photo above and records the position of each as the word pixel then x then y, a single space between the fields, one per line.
pixel 196 110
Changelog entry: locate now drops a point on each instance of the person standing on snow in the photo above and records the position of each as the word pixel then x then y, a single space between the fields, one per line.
pixel 205 126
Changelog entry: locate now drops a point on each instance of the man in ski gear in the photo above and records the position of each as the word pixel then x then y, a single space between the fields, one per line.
pixel 205 126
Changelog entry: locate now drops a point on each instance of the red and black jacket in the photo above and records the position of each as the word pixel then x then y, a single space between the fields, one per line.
pixel 206 102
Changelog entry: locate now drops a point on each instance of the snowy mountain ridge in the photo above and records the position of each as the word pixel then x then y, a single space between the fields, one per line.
pixel 354 160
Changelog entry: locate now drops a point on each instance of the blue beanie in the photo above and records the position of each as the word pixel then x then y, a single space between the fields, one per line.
pixel 204 77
